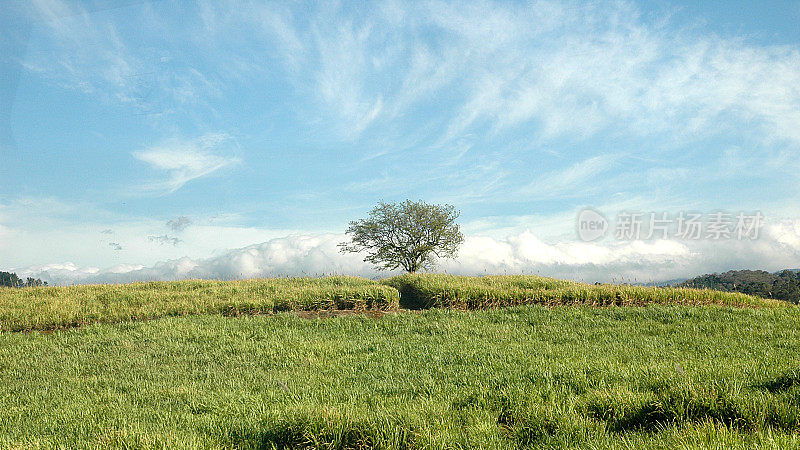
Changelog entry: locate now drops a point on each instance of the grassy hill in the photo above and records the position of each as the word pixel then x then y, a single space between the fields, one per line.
pixel 460 292
pixel 228 365
pixel 52 308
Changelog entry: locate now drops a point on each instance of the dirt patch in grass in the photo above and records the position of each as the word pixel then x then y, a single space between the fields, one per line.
pixel 326 314
pixel 310 315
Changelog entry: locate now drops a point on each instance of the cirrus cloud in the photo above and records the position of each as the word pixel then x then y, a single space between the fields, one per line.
pixel 184 161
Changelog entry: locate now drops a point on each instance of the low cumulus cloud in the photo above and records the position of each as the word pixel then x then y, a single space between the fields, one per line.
pixel 316 255
pixel 289 256
pixel 626 261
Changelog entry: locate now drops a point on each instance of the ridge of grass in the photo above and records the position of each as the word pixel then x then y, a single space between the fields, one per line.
pixel 59 307
pixel 421 291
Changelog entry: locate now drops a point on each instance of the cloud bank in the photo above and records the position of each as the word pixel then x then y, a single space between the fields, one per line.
pixel 317 255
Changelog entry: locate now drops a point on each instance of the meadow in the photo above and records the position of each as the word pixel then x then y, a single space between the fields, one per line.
pixel 665 372
pixel 461 292
pixel 53 308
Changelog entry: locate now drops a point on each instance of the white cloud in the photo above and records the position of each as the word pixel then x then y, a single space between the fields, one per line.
pixel 87 47
pixel 184 161
pixel 35 231
pixel 317 255
pixel 560 69
pixel 643 261
pixel 288 256
pixel 590 73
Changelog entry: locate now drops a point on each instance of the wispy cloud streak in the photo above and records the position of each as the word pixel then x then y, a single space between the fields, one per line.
pixel 184 161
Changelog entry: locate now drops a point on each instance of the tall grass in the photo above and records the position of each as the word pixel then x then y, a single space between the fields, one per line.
pixel 50 308
pixel 461 292
pixel 509 378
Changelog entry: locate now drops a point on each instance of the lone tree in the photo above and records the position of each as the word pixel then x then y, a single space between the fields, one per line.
pixel 405 235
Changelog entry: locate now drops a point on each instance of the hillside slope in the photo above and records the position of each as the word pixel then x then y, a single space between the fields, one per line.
pixel 51 308
pixel 783 285
pixel 461 292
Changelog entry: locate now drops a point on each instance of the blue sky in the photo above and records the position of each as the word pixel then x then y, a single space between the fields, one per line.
pixel 137 134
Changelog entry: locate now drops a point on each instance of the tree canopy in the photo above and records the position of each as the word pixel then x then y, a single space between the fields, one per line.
pixel 783 285
pixel 408 235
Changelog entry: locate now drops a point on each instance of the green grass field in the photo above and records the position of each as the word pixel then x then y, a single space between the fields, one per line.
pixel 52 308
pixel 674 373
pixel 447 291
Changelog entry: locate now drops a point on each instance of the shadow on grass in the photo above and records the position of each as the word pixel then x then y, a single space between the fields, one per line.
pixel 306 432
pixel 412 297
pixel 519 423
pixel 671 411
pixel 782 382
pixel 671 406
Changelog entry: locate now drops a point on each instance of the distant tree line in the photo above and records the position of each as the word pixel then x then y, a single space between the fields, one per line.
pixel 783 285
pixel 11 279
